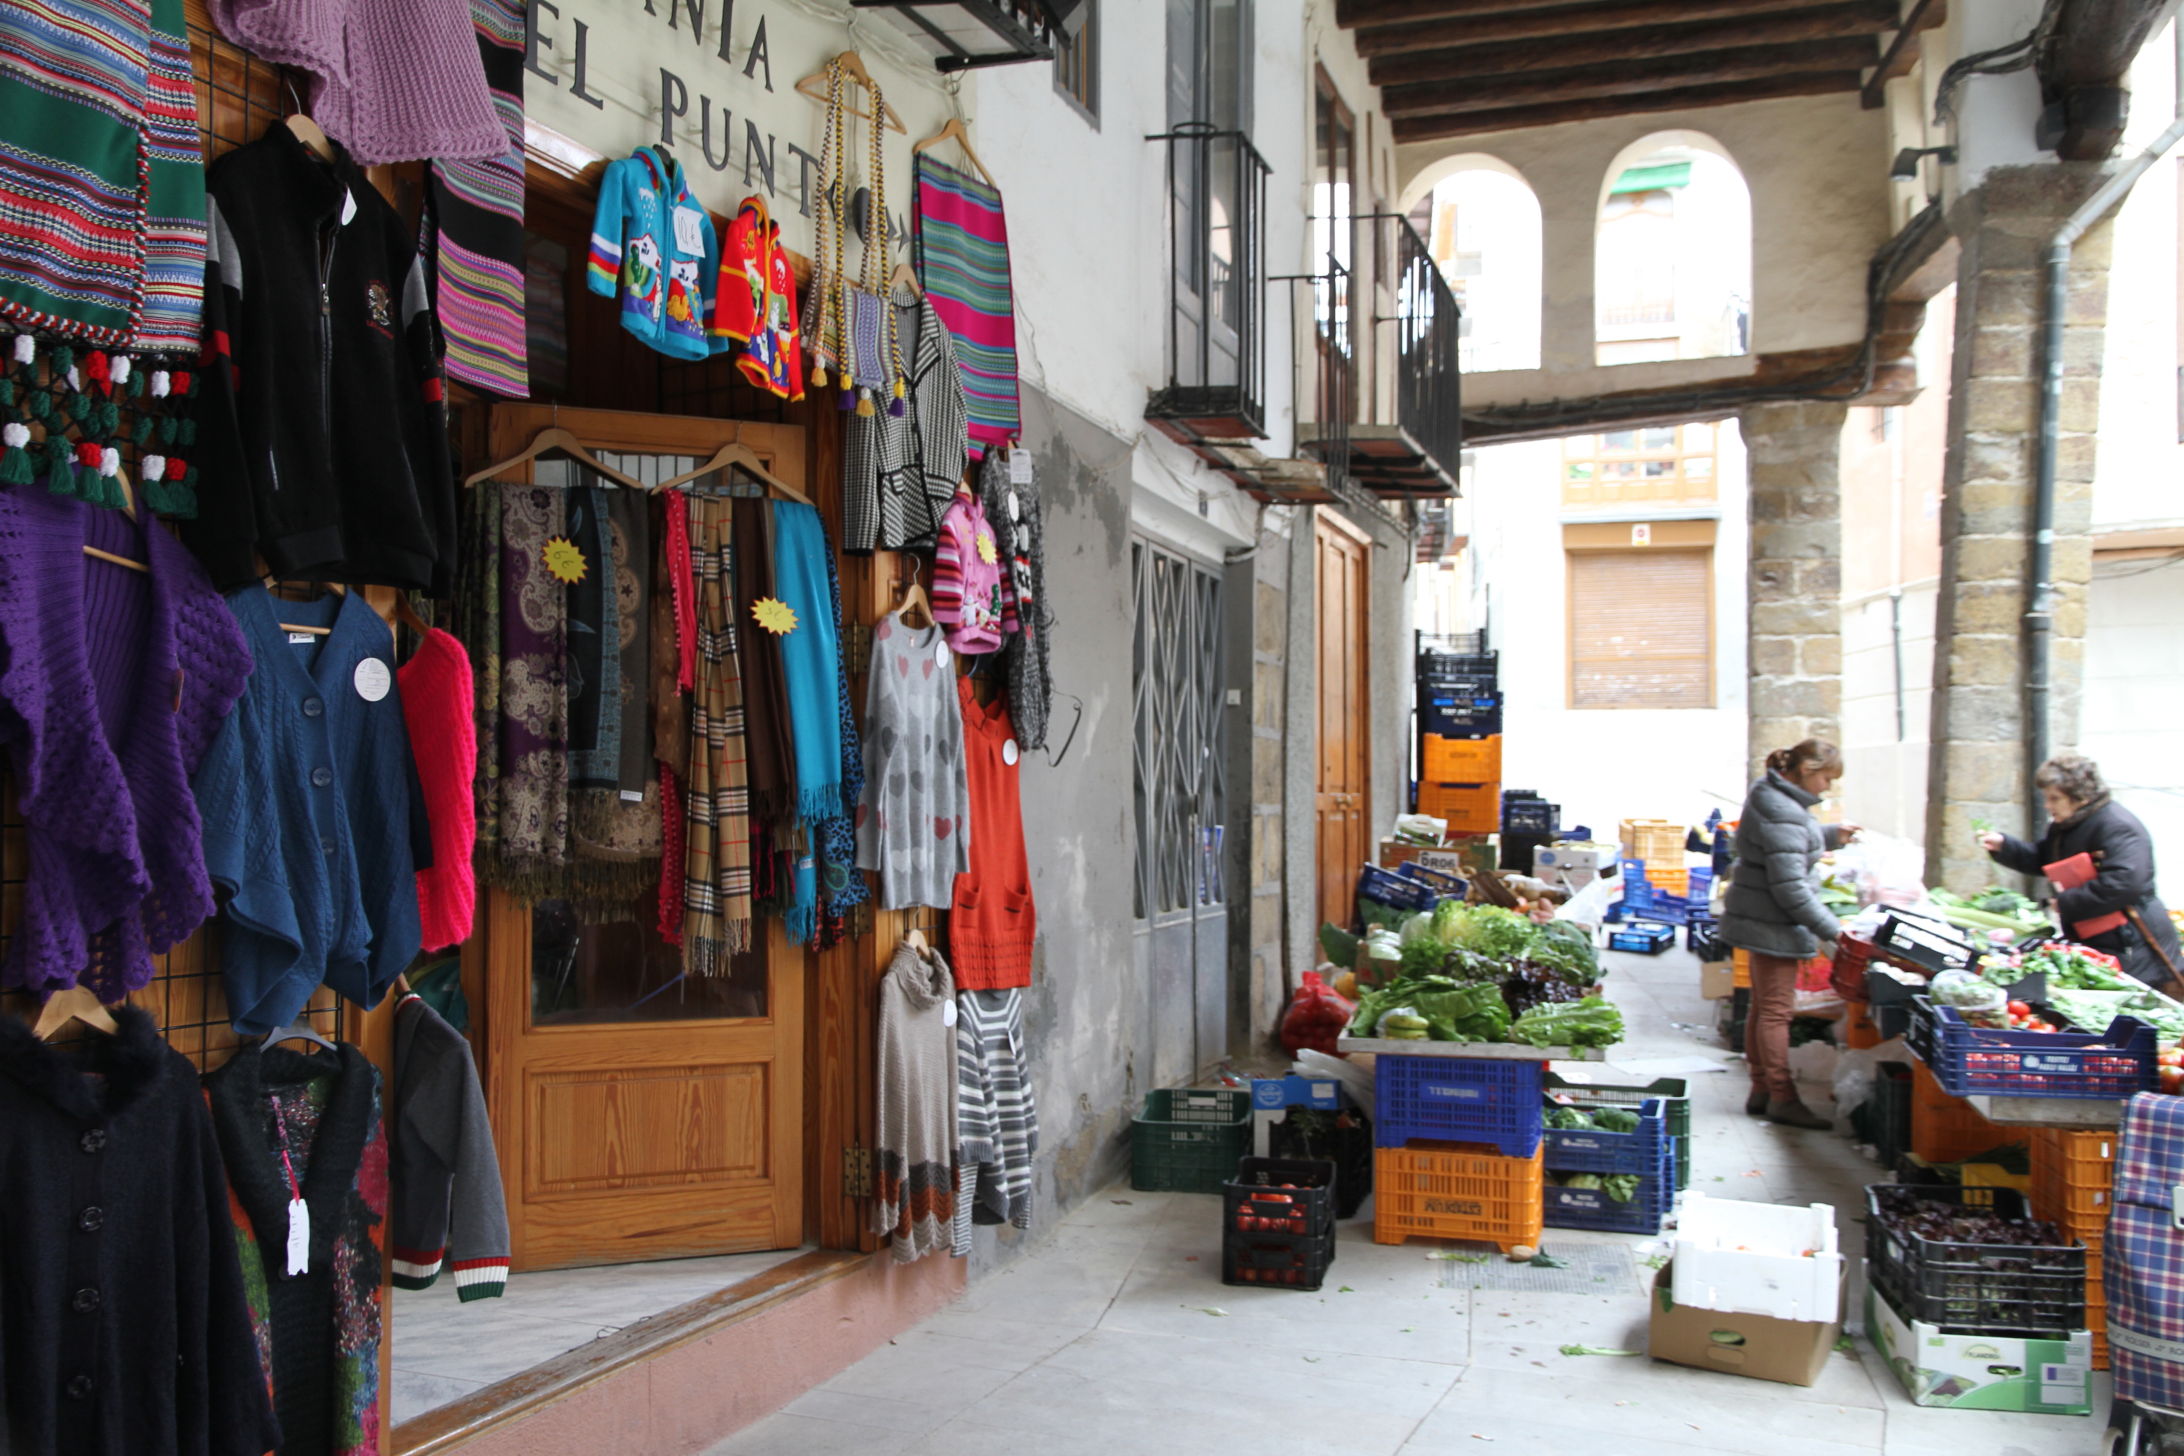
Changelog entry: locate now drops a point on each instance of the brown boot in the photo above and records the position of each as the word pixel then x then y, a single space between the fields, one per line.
pixel 1790 1112
pixel 1756 1104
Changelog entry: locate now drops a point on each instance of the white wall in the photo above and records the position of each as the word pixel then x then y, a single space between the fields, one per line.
pixel 1601 765
pixel 2134 696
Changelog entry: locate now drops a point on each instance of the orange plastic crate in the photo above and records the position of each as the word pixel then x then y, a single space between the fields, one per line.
pixel 1992 1175
pixel 1812 975
pixel 1468 808
pixel 1462 760
pixel 1859 1028
pixel 2073 1179
pixel 1464 1191
pixel 1947 1129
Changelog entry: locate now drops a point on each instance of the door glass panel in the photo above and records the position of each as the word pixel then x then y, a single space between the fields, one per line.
pixel 586 971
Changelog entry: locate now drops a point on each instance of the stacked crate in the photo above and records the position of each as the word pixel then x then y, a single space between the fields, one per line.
pixel 1946 1129
pixel 1459 1150
pixel 1459 728
pixel 1650 1153
pixel 2073 1186
pixel 1278 1223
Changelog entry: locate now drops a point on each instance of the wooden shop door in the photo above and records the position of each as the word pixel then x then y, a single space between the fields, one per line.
pixel 1345 763
pixel 641 1114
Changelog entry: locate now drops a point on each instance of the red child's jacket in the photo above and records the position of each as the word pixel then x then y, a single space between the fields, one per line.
pixel 755 305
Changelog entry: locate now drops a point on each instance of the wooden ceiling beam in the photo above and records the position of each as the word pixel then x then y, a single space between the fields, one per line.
pixel 1608 25
pixel 1627 78
pixel 1353 13
pixel 1429 128
pixel 2082 73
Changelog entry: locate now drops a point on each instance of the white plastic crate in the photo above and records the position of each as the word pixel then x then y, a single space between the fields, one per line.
pixel 1751 1258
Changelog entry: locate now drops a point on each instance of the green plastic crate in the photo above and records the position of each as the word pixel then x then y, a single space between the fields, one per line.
pixel 1189 1140
pixel 1672 1090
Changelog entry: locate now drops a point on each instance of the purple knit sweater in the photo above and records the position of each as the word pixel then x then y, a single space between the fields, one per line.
pixel 112 684
pixel 391 80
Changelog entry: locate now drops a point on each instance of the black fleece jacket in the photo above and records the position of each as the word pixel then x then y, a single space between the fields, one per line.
pixel 2123 861
pixel 322 432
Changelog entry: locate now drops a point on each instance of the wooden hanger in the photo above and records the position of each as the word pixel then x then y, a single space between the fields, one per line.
pixel 299 1030
pixel 408 617
pixel 905 276
pixel 554 437
pixel 304 129
pixel 957 132
pixel 77 1003
pixel 913 598
pixel 736 453
pixel 917 942
pixel 853 66
pixel 333 586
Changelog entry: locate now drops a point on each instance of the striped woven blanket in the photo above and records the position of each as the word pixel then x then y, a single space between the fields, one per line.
pixel 963 263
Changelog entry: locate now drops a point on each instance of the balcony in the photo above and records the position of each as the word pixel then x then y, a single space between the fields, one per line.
pixel 1214 402
pixel 1387 400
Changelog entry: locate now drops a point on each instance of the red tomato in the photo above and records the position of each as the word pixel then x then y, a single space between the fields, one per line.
pixel 2172 1079
pixel 2020 1008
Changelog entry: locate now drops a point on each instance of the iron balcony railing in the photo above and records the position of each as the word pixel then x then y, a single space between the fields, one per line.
pixel 1428 373
pixel 1216 283
pixel 1334 403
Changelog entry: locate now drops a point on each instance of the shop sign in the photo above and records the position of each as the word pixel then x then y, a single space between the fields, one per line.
pixel 715 81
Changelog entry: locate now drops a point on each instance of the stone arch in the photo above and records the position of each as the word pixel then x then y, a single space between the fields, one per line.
pixel 1672 252
pixel 1482 222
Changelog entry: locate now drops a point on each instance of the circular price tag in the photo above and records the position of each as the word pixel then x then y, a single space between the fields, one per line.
pixel 373 681
pixel 940 652
pixel 1016 511
pixel 1009 755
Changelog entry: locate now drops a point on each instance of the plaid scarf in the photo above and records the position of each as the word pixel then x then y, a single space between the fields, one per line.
pixel 716 816
pixel 772 760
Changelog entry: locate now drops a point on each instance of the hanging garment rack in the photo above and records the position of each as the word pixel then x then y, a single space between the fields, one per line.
pixel 555 437
pixel 77 1003
pixel 736 453
pixel 853 67
pixel 960 134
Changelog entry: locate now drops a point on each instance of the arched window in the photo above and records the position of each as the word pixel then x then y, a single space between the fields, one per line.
pixel 1482 223
pixel 1672 254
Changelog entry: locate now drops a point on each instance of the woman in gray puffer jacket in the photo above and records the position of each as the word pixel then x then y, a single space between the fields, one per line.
pixel 1772 909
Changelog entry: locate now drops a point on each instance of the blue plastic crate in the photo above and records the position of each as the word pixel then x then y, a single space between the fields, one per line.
pixel 1458 1099
pixel 1531 816
pixel 1592 1150
pixel 1645 937
pixel 1591 1208
pixel 1973 1061
pixel 1700 884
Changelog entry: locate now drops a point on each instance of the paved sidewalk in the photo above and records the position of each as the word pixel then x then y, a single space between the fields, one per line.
pixel 1116 1336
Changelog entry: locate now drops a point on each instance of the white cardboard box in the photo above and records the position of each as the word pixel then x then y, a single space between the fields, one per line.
pixel 1575 854
pixel 2045 1375
pixel 1758 1258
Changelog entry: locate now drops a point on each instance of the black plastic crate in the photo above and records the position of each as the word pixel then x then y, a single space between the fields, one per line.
pixel 1891 1111
pixel 1533 816
pixel 2020 1288
pixel 1279 1261
pixel 1279 1195
pixel 1934 945
pixel 1452 717
pixel 1344 1138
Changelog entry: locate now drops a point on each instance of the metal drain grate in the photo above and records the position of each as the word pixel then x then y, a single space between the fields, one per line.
pixel 1591 1269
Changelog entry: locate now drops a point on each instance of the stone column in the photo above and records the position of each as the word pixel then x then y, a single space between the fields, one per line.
pixel 1796 614
pixel 1978 757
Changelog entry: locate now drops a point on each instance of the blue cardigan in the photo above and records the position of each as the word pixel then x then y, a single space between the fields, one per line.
pixel 307 801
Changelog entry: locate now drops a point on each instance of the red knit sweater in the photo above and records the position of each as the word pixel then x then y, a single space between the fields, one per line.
pixel 437 703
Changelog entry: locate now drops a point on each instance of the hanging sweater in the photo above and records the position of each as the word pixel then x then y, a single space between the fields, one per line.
pixel 1013 510
pixel 914 824
pixel 319 1330
pixel 972 597
pixel 475 214
pixel 123 1326
pixel 102 183
pixel 90 655
pixel 322 437
pixel 915 1129
pixel 307 802
pixel 438 709
pixel 997 1119
pixel 994 922
pixel 653 243
pixel 900 471
pixel 446 1179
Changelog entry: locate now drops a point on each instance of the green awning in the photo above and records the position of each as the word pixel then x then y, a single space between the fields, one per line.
pixel 1653 179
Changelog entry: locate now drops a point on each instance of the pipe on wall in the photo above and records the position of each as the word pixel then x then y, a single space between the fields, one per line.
pixel 2040 603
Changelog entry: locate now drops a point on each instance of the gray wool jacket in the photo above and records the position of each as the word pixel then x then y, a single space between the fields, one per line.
pixel 1773 904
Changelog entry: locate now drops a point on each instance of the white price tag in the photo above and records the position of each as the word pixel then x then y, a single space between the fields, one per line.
pixel 1009 753
pixel 690 232
pixel 299 639
pixel 947 1013
pixel 633 796
pixel 1016 507
pixel 1019 466
pixel 373 680
pixel 940 652
pixel 299 1237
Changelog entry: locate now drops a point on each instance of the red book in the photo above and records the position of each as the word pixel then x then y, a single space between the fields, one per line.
pixel 2070 874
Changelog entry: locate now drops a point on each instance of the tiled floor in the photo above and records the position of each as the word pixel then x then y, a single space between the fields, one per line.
pixel 1117 1336
pixel 445 1349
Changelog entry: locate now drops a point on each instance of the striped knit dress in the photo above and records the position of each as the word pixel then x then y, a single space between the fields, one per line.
pixel 916 1127
pixel 996 1117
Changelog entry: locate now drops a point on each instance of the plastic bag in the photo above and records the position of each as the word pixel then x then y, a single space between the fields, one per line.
pixel 1316 1017
pixel 1854 1078
pixel 1978 1001
pixel 1886 870
pixel 1589 904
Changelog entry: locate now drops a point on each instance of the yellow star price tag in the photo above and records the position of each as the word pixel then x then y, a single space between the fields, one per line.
pixel 774 616
pixel 564 560
pixel 987 551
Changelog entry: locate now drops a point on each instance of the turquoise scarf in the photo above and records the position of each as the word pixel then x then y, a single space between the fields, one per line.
pixel 810 660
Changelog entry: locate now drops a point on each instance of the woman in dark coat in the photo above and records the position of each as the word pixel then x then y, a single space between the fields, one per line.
pixel 1772 909
pixel 2083 819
